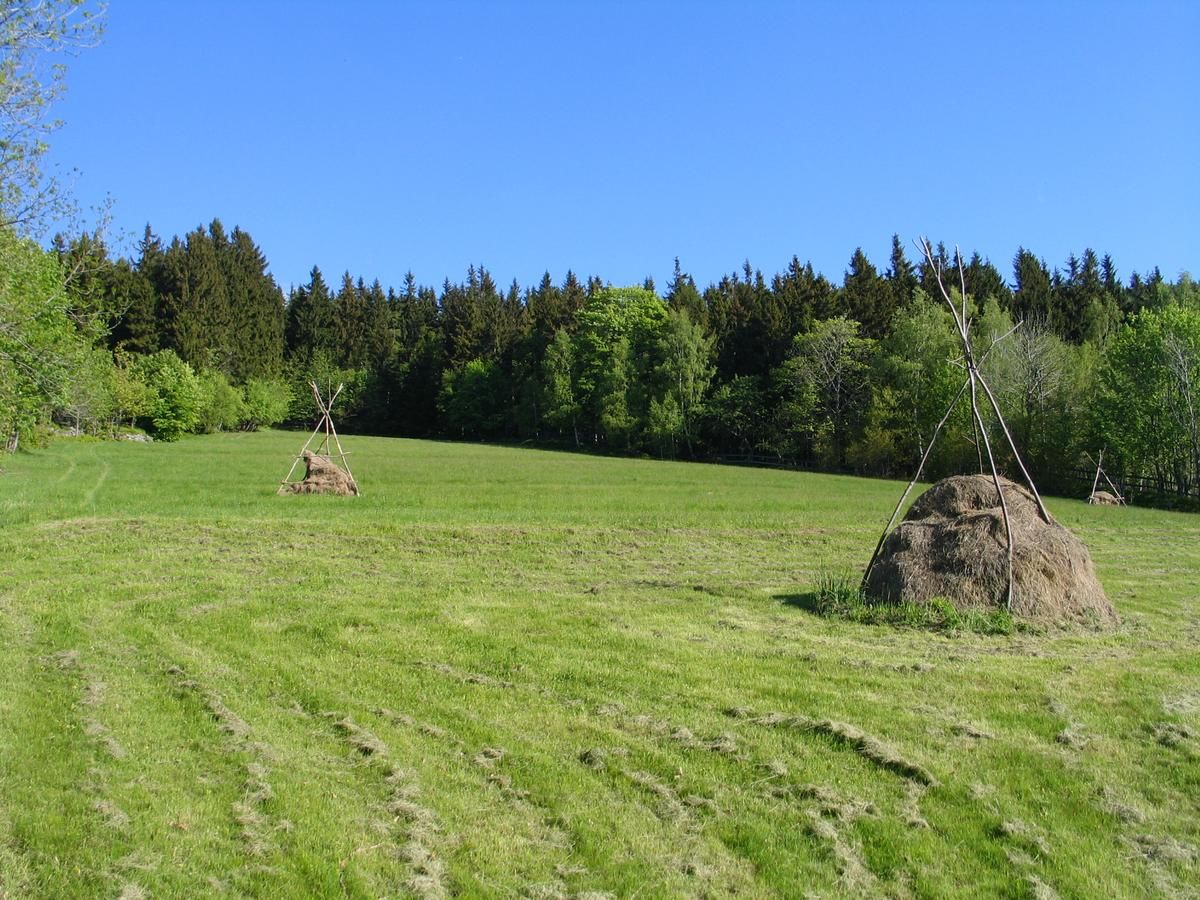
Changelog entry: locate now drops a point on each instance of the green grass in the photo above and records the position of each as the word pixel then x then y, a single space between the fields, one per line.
pixel 506 672
pixel 840 595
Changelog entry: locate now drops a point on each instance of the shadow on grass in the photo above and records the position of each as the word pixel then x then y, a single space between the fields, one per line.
pixel 809 601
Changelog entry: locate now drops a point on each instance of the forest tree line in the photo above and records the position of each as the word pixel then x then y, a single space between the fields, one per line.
pixel 195 335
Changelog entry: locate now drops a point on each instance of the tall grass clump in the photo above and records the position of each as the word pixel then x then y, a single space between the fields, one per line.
pixel 838 595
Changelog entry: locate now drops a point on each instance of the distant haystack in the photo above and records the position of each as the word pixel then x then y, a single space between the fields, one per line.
pixel 952 545
pixel 1103 498
pixel 323 476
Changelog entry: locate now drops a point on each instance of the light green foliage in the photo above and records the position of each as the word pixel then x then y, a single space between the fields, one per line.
pixel 41 350
pixel 1148 405
pixel 88 402
pixel 685 372
pixel 562 406
pixel 665 422
pixel 176 395
pixel 29 33
pixel 131 396
pixel 321 369
pixel 827 385
pixel 617 338
pixel 917 380
pixel 616 417
pixel 265 403
pixel 221 407
pixel 545 674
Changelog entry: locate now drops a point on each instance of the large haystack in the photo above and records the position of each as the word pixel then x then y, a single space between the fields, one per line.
pixel 323 476
pixel 952 545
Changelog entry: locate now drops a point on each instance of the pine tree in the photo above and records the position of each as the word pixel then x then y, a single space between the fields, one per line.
pixel 901 275
pixel 1033 299
pixel 310 327
pixel 257 310
pixel 868 299
pixel 208 298
pixel 682 295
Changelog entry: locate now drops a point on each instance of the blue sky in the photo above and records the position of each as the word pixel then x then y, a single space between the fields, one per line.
pixel 610 138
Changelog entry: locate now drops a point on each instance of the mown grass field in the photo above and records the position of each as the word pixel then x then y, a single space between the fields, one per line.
pixel 506 672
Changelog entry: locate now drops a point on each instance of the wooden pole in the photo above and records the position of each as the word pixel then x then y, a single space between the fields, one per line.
pixel 975 379
pixel 1008 597
pixel 1096 480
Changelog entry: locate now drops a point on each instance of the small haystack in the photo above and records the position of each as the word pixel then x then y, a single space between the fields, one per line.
pixel 323 476
pixel 1103 498
pixel 952 544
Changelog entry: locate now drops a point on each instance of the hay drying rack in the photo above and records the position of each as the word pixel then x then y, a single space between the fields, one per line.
pixel 1101 473
pixel 329 439
pixel 975 383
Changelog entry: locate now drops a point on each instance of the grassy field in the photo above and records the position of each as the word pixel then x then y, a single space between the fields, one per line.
pixel 506 672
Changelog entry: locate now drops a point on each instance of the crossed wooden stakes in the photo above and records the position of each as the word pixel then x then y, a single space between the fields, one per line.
pixel 975 382
pixel 329 440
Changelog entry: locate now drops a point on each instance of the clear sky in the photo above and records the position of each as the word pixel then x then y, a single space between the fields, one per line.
pixel 611 137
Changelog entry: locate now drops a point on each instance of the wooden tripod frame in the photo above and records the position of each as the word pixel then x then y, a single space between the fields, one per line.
pixel 975 382
pixel 1096 481
pixel 329 438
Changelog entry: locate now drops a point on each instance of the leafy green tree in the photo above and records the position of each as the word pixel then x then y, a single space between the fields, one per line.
pixel 616 418
pixel 685 372
pixel 472 399
pixel 176 394
pixel 29 32
pixel 43 352
pixel 664 423
pixel 829 374
pixel 220 407
pixel 615 347
pixel 265 403
pixel 917 381
pixel 131 396
pixel 562 406
pixel 1148 403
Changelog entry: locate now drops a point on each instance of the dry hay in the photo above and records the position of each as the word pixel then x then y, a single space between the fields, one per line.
pixel 1104 498
pixel 952 545
pixel 323 476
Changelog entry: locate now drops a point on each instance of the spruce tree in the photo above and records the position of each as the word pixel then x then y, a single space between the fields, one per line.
pixel 901 275
pixel 310 327
pixel 868 299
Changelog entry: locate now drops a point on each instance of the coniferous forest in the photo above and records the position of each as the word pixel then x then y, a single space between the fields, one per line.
pixel 795 368
pixel 846 372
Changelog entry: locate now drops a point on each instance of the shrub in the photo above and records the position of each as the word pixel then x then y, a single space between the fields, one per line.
pixel 221 404
pixel 266 403
pixel 175 394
